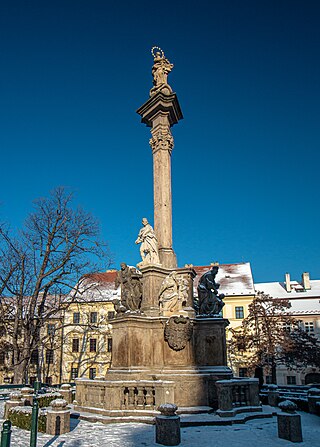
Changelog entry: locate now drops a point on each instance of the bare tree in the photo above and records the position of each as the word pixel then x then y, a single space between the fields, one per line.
pixel 270 336
pixel 40 265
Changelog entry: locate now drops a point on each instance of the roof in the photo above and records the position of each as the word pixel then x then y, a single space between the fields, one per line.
pixel 303 302
pixel 234 279
pixel 98 286
pixel 278 290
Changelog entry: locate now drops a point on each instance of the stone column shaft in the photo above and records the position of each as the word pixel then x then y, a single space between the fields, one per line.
pixel 160 113
pixel 162 144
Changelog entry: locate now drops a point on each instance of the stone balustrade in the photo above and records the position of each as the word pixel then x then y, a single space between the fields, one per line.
pixel 237 396
pixel 139 397
pixel 123 396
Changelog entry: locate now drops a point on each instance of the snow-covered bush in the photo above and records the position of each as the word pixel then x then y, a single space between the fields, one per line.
pixel 21 417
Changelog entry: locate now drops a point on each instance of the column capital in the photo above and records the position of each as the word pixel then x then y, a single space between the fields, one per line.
pixel 161 103
pixel 161 140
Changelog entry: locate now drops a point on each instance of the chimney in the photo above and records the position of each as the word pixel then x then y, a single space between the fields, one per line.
pixel 287 282
pixel 306 281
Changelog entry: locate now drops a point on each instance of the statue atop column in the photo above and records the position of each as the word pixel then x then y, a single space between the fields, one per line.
pixel 149 250
pixel 210 302
pixel 129 278
pixel 160 70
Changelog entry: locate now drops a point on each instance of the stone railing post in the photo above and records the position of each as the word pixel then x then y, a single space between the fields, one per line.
pixel 313 398
pixel 66 392
pixel 58 418
pixel 253 390
pixel 27 395
pixel 289 422
pixel 224 396
pixel 273 395
pixel 14 401
pixel 168 425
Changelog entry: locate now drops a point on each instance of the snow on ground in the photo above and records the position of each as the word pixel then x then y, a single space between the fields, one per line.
pixel 256 433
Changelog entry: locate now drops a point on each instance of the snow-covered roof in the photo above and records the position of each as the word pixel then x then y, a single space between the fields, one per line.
pixel 98 287
pixel 278 290
pixel 303 302
pixel 234 279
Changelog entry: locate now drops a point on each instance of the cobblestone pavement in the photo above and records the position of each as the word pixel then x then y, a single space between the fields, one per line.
pixel 261 432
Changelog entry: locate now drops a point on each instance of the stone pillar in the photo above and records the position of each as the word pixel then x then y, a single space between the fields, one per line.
pixel 58 418
pixel 273 395
pixel 224 391
pixel 289 422
pixel 168 425
pixel 160 113
pixel 14 401
pixel 27 394
pixel 253 390
pixel 313 399
pixel 66 392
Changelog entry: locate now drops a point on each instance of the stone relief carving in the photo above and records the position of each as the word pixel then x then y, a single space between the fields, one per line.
pixel 177 332
pixel 149 250
pixel 173 293
pixel 162 139
pixel 130 280
pixel 209 300
pixel 160 70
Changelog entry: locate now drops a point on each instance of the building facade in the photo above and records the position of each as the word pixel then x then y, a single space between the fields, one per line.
pixel 304 298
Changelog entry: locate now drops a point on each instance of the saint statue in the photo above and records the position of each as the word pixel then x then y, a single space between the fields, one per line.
pixel 149 244
pixel 168 295
pixel 129 278
pixel 210 302
pixel 173 293
pixel 160 70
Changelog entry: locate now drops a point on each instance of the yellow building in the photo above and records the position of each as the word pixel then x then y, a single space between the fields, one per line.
pixel 87 339
pixel 45 360
pixel 236 282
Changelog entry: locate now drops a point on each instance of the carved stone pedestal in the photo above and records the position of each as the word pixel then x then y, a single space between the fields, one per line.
pixel 185 361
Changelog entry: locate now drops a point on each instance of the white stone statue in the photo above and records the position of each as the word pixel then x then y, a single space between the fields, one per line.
pixel 168 295
pixel 160 70
pixel 149 250
pixel 173 293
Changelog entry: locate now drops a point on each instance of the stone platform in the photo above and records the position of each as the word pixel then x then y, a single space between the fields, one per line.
pixel 190 417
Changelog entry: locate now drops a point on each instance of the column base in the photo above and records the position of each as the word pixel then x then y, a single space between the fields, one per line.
pixel 168 258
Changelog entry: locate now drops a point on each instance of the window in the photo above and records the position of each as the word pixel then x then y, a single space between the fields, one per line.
pixel 92 373
pixel 76 317
pixel 2 358
pixel 34 360
pixel 93 345
pixel 51 329
pixel 49 357
pixel 93 317
pixel 75 345
pixel 109 344
pixel 74 373
pixel 268 380
pixel 291 380
pixel 239 312
pixel 309 327
pixel 243 372
pixel 110 315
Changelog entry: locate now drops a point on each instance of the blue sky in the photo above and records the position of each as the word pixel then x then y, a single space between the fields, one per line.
pixel 246 160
